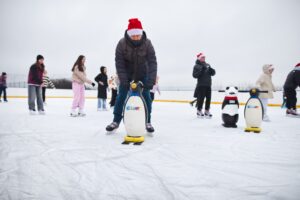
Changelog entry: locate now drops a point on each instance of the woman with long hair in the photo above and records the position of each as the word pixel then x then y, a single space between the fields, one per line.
pixel 79 78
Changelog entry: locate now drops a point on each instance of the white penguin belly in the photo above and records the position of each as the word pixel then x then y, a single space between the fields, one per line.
pixel 253 113
pixel 135 117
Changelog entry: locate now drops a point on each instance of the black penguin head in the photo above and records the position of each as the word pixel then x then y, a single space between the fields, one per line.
pixel 254 92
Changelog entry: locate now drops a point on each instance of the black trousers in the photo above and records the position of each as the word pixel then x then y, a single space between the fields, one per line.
pixel 114 94
pixel 152 95
pixel 291 98
pixel 3 89
pixel 44 94
pixel 203 92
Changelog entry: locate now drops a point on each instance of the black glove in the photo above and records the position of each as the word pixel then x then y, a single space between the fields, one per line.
pixel 93 84
pixel 148 86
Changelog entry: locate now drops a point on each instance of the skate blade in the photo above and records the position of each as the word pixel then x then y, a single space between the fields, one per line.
pixel 111 132
pixel 293 116
pixel 150 134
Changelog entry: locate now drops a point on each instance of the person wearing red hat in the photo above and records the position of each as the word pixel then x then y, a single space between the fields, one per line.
pixel 203 72
pixel 135 61
pixel 291 83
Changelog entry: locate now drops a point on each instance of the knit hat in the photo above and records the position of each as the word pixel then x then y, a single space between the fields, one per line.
pixel 134 27
pixel 39 57
pixel 298 65
pixel 200 55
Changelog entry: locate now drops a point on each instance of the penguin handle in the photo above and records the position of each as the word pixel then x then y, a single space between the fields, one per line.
pixel 221 90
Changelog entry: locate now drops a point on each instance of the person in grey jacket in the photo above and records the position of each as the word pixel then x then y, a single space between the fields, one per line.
pixel 135 61
pixel 203 72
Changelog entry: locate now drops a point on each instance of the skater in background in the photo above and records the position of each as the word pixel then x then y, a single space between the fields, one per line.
pixel 101 79
pixel 203 72
pixel 113 84
pixel 46 83
pixel 135 61
pixel 3 86
pixel 35 81
pixel 155 89
pixel 79 78
pixel 291 83
pixel 265 83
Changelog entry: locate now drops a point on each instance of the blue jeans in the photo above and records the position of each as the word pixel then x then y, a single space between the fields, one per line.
pixel 101 103
pixel 122 95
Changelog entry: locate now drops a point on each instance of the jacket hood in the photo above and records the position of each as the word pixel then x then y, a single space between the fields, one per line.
pixel 266 69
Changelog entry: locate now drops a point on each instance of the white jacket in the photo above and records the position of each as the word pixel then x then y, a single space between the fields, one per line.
pixel 264 82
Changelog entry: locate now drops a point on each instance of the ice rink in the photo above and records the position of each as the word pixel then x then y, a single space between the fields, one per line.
pixel 63 158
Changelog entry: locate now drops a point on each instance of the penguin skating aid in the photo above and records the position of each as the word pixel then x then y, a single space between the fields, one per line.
pixel 254 112
pixel 135 115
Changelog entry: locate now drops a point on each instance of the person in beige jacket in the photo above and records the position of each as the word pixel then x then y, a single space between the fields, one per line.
pixel 264 82
pixel 78 80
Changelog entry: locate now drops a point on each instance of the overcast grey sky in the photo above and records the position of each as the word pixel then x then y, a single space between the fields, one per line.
pixel 237 36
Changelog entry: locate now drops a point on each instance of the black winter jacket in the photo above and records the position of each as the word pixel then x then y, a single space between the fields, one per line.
pixel 136 61
pixel 203 72
pixel 293 79
pixel 102 89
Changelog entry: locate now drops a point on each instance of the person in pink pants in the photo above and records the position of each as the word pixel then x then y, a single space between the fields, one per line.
pixel 78 80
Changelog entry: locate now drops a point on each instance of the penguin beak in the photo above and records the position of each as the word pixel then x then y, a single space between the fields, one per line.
pixel 231 93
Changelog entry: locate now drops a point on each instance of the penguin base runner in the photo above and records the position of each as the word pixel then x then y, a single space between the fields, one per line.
pixel 135 140
pixel 253 129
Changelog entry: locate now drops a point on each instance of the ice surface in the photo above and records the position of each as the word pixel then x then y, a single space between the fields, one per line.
pixel 59 157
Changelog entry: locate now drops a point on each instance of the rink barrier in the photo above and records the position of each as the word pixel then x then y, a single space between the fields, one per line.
pixel 158 100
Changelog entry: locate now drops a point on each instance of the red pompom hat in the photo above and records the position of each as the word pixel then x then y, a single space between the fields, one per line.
pixel 134 27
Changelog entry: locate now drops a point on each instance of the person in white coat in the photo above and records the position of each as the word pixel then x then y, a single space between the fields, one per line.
pixel 264 82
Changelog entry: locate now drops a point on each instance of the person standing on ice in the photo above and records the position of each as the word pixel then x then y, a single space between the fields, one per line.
pixel 155 89
pixel 291 83
pixel 101 79
pixel 135 61
pixel 113 86
pixel 203 72
pixel 3 86
pixel 46 82
pixel 35 81
pixel 265 83
pixel 78 80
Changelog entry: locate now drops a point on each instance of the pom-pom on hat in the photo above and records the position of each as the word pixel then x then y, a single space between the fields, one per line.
pixel 134 27
pixel 200 55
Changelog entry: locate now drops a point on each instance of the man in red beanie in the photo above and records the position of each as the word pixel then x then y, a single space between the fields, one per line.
pixel 203 72
pixel 135 61
pixel 290 86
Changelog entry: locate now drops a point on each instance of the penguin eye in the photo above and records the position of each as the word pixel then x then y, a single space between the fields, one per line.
pixel 227 88
pixel 236 88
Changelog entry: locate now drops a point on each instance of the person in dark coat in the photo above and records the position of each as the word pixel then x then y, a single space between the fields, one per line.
pixel 290 86
pixel 203 72
pixel 101 79
pixel 135 61
pixel 3 86
pixel 35 81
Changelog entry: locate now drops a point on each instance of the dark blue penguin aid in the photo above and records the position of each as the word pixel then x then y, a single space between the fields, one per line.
pixel 135 115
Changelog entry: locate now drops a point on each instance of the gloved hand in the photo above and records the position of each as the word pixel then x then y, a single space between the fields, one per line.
pixel 93 84
pixel 148 86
